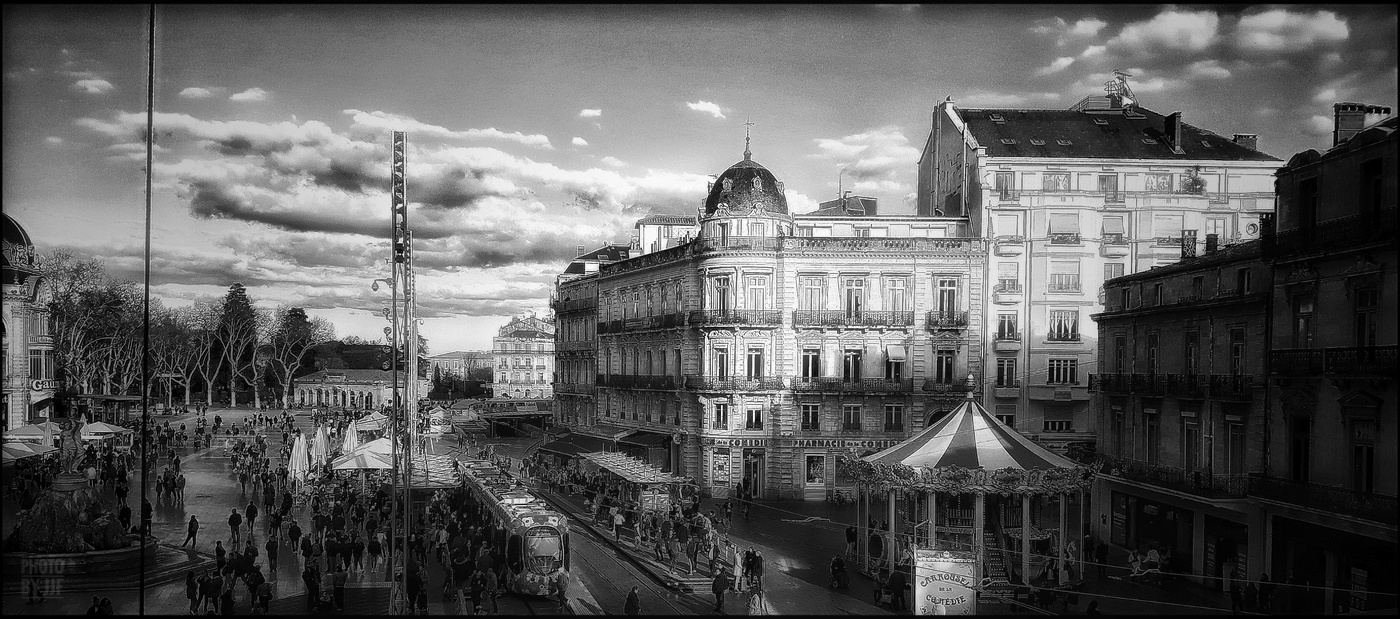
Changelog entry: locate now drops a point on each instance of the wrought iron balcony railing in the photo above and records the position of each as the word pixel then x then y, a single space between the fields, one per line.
pixel 946 320
pixel 1335 499
pixel 1115 238
pixel 756 243
pixel 1231 386
pixel 1007 288
pixel 1345 361
pixel 575 346
pixel 1186 385
pixel 1150 384
pixel 864 385
pixel 736 317
pixel 1064 283
pixel 710 383
pixel 849 318
pixel 1064 238
pixel 1193 482
pixel 959 385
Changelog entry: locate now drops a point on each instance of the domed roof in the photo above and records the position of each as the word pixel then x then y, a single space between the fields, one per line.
pixel 745 186
pixel 14 233
pixel 18 249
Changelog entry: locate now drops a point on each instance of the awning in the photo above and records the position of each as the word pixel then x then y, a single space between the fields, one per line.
pixel 575 444
pixel 632 469
pixel 1113 225
pixel 604 430
pixel 646 439
pixel 896 353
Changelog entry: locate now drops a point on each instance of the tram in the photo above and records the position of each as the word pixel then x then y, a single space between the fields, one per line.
pixel 535 536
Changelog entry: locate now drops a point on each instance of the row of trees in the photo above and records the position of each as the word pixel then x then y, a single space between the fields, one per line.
pixel 97 324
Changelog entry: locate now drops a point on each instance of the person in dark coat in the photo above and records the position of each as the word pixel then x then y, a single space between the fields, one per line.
pixel 1101 559
pixel 896 585
pixel 718 587
pixel 634 603
pixel 313 586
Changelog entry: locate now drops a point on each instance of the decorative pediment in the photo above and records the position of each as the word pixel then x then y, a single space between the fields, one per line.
pixel 1301 273
pixel 1360 399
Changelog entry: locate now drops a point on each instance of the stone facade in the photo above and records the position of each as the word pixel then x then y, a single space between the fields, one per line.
pixel 29 381
pixel 523 353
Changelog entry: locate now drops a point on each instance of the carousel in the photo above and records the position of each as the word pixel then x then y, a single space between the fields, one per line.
pixel 968 488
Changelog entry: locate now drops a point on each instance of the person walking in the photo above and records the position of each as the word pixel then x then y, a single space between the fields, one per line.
pixel 192 591
pixel 718 587
pixel 756 604
pixel 1101 559
pixel 252 513
pixel 851 534
pixel 235 526
pixel 634 603
pixel 758 569
pixel 192 532
pixel 492 584
pixel 272 547
pixel 561 584
pixel 180 487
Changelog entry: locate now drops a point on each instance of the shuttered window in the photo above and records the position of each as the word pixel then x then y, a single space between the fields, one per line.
pixel 1064 223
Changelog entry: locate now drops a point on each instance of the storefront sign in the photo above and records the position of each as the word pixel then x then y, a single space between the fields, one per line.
pixel 945 583
pixel 884 444
pixel 820 443
pixel 741 442
pixel 43 384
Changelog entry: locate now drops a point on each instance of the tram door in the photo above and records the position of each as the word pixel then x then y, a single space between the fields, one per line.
pixel 754 471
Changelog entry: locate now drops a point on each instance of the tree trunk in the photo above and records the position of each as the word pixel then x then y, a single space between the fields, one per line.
pixel 232 390
pixel 208 391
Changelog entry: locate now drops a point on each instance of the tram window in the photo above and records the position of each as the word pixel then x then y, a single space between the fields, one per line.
pixel 515 554
pixel 544 546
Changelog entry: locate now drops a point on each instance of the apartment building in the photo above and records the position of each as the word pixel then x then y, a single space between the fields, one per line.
pixel 29 385
pixel 523 351
pixel 1068 199
pixel 460 362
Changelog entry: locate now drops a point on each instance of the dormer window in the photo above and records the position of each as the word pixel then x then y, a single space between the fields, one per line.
pixel 1009 141
pixel 1206 144
pixel 1149 141
pixel 1101 122
pixel 1037 142
pixel 997 118
pixel 1064 142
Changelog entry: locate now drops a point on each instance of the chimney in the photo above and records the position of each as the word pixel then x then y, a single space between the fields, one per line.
pixel 1173 132
pixel 580 251
pixel 1247 140
pixel 1350 118
pixel 1212 243
pixel 1188 243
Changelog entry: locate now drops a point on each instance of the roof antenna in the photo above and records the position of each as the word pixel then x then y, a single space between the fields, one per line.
pixel 747 123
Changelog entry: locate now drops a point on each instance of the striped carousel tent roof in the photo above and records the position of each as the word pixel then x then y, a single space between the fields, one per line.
pixel 970 438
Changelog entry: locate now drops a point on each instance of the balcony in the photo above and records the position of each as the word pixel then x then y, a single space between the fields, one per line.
pixel 1006 342
pixel 574 388
pixel 711 383
pixel 1064 238
pixel 844 318
pixel 673 320
pixel 1187 299
pixel 1334 499
pixel 838 385
pixel 736 243
pixel 936 320
pixel 1191 482
pixel 933 385
pixel 1337 233
pixel 1114 246
pixel 1009 388
pixel 574 305
pixel 1186 385
pixel 575 346
pixel 1060 282
pixel 733 317
pixel 1150 384
pixel 1345 361
pixel 609 326
pixel 1006 293
pixel 1008 246
pixel 1168 241
pixel 881 244
pixel 1232 386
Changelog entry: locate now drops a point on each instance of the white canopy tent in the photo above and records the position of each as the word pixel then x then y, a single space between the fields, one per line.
pixel 320 447
pixel 298 466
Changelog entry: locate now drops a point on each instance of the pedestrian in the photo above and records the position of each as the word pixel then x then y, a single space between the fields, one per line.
pixel 851 542
pixel 180 487
pixel 192 532
pixel 375 549
pixel 1236 592
pixel 272 548
pixel 634 603
pixel 252 512
pixel 896 586
pixel 1101 559
pixel 235 524
pixel 756 604
pixel 758 568
pixel 561 584
pixel 264 595
pixel 728 512
pixel 1266 593
pixel 96 606
pixel 124 517
pixel 192 591
pixel 492 584
pixel 718 587
pixel 339 583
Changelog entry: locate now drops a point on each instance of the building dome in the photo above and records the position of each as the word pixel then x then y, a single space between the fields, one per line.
pixel 18 249
pixel 744 187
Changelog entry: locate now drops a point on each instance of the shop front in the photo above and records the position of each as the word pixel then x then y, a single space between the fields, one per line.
pixel 1143 523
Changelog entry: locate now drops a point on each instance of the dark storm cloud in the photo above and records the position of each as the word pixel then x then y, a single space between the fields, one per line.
pixel 214 200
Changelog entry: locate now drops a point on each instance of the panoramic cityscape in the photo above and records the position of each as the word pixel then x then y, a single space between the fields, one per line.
pixel 700 309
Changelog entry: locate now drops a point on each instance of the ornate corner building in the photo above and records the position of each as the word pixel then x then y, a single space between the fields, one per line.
pixel 523 351
pixel 747 347
pixel 29 385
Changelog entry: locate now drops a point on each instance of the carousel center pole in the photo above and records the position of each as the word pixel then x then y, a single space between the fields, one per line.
pixel 892 546
pixel 1061 572
pixel 1025 540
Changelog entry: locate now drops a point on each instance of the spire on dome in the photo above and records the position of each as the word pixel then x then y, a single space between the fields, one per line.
pixel 748 156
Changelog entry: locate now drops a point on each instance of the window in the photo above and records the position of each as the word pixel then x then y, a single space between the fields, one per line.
pixel 1307 204
pixel 1108 186
pixel 651 369
pixel 850 417
pixel 721 367
pixel 1363 455
pixel 1006 372
pixel 1193 350
pixel 1302 320
pixel 943 366
pixel 850 366
pixel 1056 182
pixel 1365 319
pixel 1008 225
pixel 1064 223
pixel 1198 287
pixel 651 302
pixel 862 232
pixel 1216 226
pixel 894 418
pixel 1190 443
pixel 1237 351
pixel 1006 413
pixel 1234 447
pixel 1166 225
pixel 1064 276
pixel 813 294
pixel 811 417
pixel 721 417
pixel 816 470
pixel 1057 425
pixel 1153 437
pixel 854 296
pixel 677 358
pixel 947 294
pixel 753 419
pixel 753 364
pixel 1112 269
pixel 1242 281
pixel 1007 326
pixel 811 363
pixel 758 293
pixel 1063 372
pixel 1007 280
pixel 1158 182
pixel 1005 183
pixel 1152 345
pixel 723 233
pixel 664 371
pixel 664 299
pixel 894 368
pixel 898 291
pixel 1118 438
pixel 1372 186
pixel 720 301
pixel 1064 325
pixel 1113 231
pixel 1299 447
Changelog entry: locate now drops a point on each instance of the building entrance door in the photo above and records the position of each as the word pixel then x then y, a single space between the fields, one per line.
pixel 754 472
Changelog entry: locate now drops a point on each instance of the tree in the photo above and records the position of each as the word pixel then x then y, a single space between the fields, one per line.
pixel 292 337
pixel 238 336
pixel 83 304
pixel 175 346
pixel 208 357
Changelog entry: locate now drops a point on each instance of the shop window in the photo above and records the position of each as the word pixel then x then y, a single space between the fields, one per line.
pixel 816 470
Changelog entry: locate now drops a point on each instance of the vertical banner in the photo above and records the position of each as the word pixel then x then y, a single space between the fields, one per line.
pixel 945 582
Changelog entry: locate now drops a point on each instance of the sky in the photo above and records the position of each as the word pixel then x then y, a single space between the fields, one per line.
pixel 535 129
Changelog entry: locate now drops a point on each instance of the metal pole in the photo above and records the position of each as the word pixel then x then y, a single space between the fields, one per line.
pixel 146 304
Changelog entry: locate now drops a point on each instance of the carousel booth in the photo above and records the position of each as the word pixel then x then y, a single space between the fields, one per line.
pixel 960 504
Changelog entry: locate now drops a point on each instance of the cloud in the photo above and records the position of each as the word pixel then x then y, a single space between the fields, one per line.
pixel 613 161
pixel 980 98
pixel 1171 30
pixel 53 139
pixel 798 202
pixel 1060 64
pixel 384 121
pixel 707 107
pixel 1064 31
pixel 1140 82
pixel 590 113
pixel 93 86
pixel 1281 30
pixel 1093 51
pixel 1318 125
pixel 252 94
pixel 1326 95
pixel 195 92
pixel 1207 69
pixel 873 159
pixel 578 141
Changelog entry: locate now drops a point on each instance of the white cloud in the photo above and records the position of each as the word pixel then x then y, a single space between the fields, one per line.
pixel 53 139
pixel 1326 95
pixel 987 98
pixel 706 107
pixel 1207 69
pixel 578 141
pixel 1329 61
pixel 195 92
pixel 590 113
pixel 1063 31
pixel 1175 30
pixel 870 161
pixel 252 94
pixel 614 161
pixel 93 86
pixel 384 121
pixel 1280 30
pixel 1318 125
pixel 1093 51
pixel 1060 64
pixel 799 203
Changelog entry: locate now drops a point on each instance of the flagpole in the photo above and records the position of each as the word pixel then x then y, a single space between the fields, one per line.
pixel 146 305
